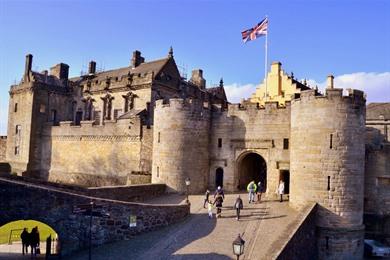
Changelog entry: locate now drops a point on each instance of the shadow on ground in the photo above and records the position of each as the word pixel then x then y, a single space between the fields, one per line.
pixel 159 244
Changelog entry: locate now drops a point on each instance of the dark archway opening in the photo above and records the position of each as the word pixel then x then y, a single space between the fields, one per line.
pixel 219 177
pixel 285 177
pixel 11 245
pixel 252 168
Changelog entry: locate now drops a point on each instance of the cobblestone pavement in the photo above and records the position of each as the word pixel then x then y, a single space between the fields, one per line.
pixel 199 237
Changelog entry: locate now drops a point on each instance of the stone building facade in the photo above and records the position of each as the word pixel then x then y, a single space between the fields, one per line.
pixel 145 123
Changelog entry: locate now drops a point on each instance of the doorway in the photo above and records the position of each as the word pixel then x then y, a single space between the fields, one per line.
pixel 252 167
pixel 219 177
pixel 284 175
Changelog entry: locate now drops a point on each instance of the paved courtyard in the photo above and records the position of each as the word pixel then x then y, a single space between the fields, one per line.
pixel 199 237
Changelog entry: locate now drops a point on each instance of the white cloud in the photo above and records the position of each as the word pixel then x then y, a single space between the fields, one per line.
pixel 235 92
pixel 375 85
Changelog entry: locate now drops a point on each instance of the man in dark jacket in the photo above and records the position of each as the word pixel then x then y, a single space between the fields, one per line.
pixel 25 240
pixel 219 191
pixel 238 205
pixel 34 242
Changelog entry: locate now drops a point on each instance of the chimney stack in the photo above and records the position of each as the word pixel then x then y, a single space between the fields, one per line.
pixel 197 78
pixel 330 82
pixel 92 67
pixel 137 59
pixel 60 71
pixel 27 67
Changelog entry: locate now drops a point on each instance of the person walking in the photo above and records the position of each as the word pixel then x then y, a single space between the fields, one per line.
pixel 219 191
pixel 281 190
pixel 218 203
pixel 34 242
pixel 25 241
pixel 238 205
pixel 206 199
pixel 251 188
pixel 210 208
pixel 260 190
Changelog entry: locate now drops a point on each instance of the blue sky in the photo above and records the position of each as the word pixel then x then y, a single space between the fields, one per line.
pixel 350 39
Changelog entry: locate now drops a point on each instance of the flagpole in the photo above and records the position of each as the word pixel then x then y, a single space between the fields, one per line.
pixel 266 60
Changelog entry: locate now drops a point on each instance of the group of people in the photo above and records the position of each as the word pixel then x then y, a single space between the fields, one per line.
pixel 32 240
pixel 252 189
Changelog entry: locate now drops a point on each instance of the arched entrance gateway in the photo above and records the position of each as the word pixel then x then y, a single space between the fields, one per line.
pixel 251 167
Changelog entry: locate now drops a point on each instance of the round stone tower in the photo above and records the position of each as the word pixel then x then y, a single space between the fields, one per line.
pixel 327 167
pixel 180 144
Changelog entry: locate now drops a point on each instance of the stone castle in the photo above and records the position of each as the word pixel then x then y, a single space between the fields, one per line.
pixel 145 123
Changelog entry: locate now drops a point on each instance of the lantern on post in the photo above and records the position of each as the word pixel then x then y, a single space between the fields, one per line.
pixel 238 246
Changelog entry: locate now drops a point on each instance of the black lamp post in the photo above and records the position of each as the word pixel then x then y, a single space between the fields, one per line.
pixel 238 246
pixel 188 183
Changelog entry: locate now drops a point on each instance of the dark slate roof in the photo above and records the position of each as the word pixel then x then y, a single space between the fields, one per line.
pixel 47 79
pixel 218 92
pixel 131 113
pixel 300 85
pixel 375 110
pixel 146 67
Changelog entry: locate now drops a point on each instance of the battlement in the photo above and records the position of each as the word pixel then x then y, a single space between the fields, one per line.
pixel 269 105
pixel 3 137
pixel 183 104
pixel 354 96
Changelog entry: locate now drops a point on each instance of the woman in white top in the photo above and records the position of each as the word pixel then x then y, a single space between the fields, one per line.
pixel 281 190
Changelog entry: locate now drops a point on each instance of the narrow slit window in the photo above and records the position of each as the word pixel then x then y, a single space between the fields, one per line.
pixel 331 141
pixel 219 142
pixel 327 242
pixel 16 107
pixel 285 143
pixel 328 188
pixel 158 172
pixel 158 138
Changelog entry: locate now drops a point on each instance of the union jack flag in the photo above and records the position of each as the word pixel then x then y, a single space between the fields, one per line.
pixel 257 31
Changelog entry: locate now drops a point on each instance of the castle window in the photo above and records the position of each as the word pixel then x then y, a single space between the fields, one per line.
pixel 18 130
pixel 117 112
pixel 17 150
pixel 158 172
pixel 53 115
pixel 285 143
pixel 16 107
pixel 328 188
pixel 42 108
pixel 282 94
pixel 331 141
pixel 97 117
pixel 158 137
pixel 219 142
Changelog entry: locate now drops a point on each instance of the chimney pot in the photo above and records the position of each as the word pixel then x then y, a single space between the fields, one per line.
pixel 92 67
pixel 27 67
pixel 330 82
pixel 137 59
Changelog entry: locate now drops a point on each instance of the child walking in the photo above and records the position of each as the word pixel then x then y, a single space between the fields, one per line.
pixel 210 208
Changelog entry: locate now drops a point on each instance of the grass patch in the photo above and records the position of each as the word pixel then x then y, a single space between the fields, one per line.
pixel 44 230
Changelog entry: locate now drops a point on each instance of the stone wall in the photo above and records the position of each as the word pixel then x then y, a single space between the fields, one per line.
pixel 128 193
pixel 92 155
pixel 245 129
pixel 55 208
pixel 3 148
pixel 299 241
pixel 180 144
